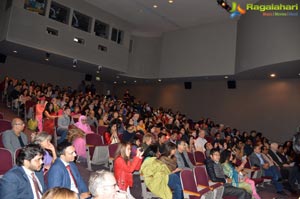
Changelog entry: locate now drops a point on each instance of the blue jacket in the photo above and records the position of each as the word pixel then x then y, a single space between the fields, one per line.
pixel 58 176
pixel 15 184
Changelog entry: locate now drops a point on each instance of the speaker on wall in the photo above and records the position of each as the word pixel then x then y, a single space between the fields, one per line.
pixel 2 58
pixel 231 84
pixel 188 85
pixel 88 77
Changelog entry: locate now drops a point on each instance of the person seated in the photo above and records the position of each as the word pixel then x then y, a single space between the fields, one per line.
pixel 64 172
pixel 44 140
pixel 147 141
pixel 128 134
pixel 169 159
pixel 235 173
pixel 15 138
pixel 63 123
pixel 59 193
pixel 124 167
pixel 111 136
pixel 24 180
pixel 216 174
pixel 103 185
pixel 257 161
pixel 83 125
pixel 183 160
pixel 288 170
pixel 200 141
pixel 161 142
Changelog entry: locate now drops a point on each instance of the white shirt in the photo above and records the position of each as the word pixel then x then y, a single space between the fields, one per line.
pixel 73 185
pixel 28 173
pixel 200 142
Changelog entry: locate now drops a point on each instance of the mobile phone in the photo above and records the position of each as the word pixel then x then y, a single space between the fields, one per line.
pixel 244 158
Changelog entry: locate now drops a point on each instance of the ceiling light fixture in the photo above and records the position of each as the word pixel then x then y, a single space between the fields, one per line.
pixel 159 80
pixel 299 74
pixel 226 77
pixel 171 1
pixel 155 6
pixel 134 81
pixel 15 51
pixel 47 58
pixel 273 75
pixel 115 82
pixel 98 78
pixel 117 77
pixel 97 72
pixel 224 5
pixel 124 82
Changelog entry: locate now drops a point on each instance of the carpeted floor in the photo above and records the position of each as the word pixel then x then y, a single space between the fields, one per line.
pixel 268 192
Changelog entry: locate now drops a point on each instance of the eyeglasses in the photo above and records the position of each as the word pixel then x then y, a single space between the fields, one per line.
pixel 19 124
pixel 72 153
pixel 111 185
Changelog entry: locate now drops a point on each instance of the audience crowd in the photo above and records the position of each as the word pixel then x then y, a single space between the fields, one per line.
pixel 155 141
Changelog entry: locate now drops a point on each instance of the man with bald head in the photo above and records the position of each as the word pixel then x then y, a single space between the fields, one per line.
pixel 15 138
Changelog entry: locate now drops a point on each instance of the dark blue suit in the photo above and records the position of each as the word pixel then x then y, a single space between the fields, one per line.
pixel 16 185
pixel 58 176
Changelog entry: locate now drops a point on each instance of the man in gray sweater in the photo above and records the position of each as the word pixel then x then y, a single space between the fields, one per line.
pixel 15 138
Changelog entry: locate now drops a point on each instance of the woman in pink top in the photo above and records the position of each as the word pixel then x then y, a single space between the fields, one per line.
pixel 39 109
pixel 79 143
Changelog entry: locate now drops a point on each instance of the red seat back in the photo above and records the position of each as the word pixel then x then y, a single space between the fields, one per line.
pixel 94 140
pixel 5 125
pixel 191 157
pixel 201 176
pixel 112 149
pixel 6 161
pixel 102 130
pixel 199 157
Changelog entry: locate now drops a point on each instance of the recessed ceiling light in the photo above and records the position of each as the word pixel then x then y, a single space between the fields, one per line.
pixel 299 74
pixel 134 81
pixel 171 1
pixel 98 78
pixel 115 82
pixel 15 51
pixel 124 82
pixel 159 80
pixel 226 77
pixel 155 6
pixel 97 71
pixel 273 75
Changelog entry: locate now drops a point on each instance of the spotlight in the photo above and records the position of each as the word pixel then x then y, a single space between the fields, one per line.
pixel 74 63
pixel 224 5
pixel 47 58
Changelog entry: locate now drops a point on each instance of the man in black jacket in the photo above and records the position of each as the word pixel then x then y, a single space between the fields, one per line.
pixel 216 174
pixel 288 171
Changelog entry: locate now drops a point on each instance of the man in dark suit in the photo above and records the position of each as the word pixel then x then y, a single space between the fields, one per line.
pixel 288 171
pixel 64 173
pixel 216 174
pixel 25 181
pixel 256 160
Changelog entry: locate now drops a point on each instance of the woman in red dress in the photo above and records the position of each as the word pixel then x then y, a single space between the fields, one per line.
pixel 49 116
